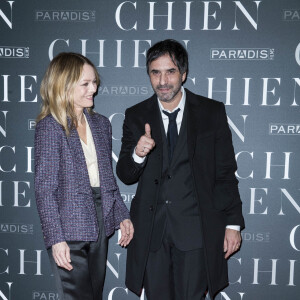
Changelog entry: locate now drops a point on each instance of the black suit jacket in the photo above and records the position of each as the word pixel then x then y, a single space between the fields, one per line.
pixel 213 166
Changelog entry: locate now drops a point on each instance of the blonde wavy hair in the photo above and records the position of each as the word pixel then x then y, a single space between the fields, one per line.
pixel 57 88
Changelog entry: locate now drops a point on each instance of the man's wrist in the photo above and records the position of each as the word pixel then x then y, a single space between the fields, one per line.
pixel 234 227
pixel 136 158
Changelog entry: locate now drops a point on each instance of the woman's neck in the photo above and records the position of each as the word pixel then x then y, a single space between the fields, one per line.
pixel 80 117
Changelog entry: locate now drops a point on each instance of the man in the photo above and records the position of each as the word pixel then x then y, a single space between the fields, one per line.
pixel 187 210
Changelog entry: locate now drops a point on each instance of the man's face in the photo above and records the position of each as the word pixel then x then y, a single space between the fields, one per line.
pixel 166 79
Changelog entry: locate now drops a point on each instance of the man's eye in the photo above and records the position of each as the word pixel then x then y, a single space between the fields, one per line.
pixel 171 71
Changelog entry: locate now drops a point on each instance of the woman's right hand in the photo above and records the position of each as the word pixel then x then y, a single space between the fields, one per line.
pixel 61 255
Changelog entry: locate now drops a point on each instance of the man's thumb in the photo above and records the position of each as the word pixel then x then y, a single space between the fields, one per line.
pixel 147 130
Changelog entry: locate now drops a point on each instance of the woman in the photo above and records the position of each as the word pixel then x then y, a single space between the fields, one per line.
pixel 77 197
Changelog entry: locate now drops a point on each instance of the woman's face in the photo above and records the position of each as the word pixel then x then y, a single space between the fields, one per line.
pixel 85 89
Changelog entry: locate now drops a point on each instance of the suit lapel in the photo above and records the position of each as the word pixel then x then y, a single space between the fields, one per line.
pixel 195 121
pixel 153 117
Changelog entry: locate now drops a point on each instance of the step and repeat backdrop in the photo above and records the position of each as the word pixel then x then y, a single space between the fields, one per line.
pixel 244 53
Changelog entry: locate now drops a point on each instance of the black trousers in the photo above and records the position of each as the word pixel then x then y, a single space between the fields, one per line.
pixel 172 274
pixel 88 259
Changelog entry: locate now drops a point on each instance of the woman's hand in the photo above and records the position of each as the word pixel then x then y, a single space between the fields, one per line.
pixel 61 255
pixel 126 232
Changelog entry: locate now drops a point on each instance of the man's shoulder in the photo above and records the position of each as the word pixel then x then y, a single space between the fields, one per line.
pixel 141 106
pixel 201 100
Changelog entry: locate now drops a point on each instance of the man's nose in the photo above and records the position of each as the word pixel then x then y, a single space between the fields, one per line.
pixel 163 79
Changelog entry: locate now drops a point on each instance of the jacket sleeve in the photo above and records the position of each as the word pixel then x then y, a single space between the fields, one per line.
pixel 47 160
pixel 226 194
pixel 120 210
pixel 128 170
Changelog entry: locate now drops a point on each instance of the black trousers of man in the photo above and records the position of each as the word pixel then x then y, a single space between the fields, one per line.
pixel 172 274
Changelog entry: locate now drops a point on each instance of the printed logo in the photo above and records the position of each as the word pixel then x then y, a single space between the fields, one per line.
pixel 31 124
pixel 123 90
pixel 44 295
pixel 65 15
pixel 284 129
pixel 17 228
pixel 291 14
pixel 127 197
pixel 241 54
pixel 256 237
pixel 14 52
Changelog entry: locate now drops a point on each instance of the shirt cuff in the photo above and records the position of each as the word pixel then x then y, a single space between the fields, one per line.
pixel 138 159
pixel 234 227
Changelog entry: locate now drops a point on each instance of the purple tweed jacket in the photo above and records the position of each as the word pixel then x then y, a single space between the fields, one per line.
pixel 62 187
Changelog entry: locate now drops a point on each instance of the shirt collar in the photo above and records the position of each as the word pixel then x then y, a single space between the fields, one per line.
pixel 180 105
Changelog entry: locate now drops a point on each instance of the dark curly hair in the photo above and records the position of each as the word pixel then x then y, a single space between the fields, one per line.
pixel 176 51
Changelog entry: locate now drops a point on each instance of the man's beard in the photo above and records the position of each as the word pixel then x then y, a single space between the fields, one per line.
pixel 167 97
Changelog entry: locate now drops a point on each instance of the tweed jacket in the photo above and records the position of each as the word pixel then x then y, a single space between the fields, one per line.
pixel 62 187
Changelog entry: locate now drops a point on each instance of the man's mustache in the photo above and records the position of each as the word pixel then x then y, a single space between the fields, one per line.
pixel 164 86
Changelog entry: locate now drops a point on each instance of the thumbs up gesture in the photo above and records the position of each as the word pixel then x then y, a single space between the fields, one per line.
pixel 147 130
pixel 145 143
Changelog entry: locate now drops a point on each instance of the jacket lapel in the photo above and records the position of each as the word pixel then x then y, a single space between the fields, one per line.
pixel 101 141
pixel 79 162
pixel 195 121
pixel 153 117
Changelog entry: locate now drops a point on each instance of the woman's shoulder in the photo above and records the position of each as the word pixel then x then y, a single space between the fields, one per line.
pixel 99 118
pixel 48 123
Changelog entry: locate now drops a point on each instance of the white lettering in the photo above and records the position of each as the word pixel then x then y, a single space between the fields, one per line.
pixel 285 165
pixel 253 200
pixel 273 271
pixel 118 19
pixel 23 261
pixel 246 14
pixel 207 15
pixel 5 18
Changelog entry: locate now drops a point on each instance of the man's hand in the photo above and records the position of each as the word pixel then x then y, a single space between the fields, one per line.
pixel 126 232
pixel 61 255
pixel 145 143
pixel 232 241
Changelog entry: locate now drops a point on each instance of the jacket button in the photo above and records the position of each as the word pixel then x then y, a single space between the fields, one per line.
pixel 156 181
pixel 169 176
pixel 151 207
